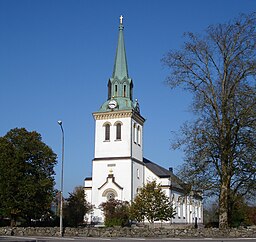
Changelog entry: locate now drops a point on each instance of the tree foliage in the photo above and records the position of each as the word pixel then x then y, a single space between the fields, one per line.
pixel 26 175
pixel 152 204
pixel 76 207
pixel 219 69
pixel 116 213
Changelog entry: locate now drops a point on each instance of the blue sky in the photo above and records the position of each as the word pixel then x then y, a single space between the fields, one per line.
pixel 56 57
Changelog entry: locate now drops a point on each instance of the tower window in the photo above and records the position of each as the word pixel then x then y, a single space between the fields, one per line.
pixel 109 90
pixel 107 132
pixel 124 90
pixel 138 135
pixel 115 90
pixel 138 173
pixel 134 134
pixel 118 131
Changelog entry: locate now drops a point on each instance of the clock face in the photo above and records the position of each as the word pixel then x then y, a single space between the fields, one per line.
pixel 112 104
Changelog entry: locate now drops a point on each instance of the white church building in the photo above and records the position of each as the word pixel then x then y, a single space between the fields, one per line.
pixel 119 168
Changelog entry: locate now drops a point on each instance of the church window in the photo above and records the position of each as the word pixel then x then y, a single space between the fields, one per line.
pixel 109 90
pixel 134 133
pixel 178 210
pixel 110 194
pixel 184 210
pixel 138 135
pixel 115 90
pixel 173 205
pixel 138 173
pixel 118 131
pixel 199 212
pixel 124 90
pixel 107 132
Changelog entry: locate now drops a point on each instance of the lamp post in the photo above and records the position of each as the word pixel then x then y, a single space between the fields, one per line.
pixel 61 180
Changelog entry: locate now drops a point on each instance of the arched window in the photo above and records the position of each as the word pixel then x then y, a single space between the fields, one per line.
pixel 134 134
pixel 184 208
pixel 107 132
pixel 118 125
pixel 118 131
pixel 110 194
pixel 196 211
pixel 124 90
pixel 115 90
pixel 178 210
pixel 138 135
pixel 138 173
pixel 199 211
pixel 109 89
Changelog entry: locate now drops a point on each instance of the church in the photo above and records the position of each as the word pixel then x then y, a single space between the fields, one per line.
pixel 119 168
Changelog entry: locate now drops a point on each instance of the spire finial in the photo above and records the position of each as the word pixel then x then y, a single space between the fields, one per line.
pixel 121 19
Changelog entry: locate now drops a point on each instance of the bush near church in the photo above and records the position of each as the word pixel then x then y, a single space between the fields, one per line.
pixel 116 213
pixel 151 204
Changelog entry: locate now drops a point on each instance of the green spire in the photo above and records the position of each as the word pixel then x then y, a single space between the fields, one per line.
pixel 120 67
pixel 120 86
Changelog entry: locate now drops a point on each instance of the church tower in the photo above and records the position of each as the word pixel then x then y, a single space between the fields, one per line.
pixel 117 169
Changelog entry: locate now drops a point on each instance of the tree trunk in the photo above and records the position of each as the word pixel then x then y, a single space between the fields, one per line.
pixel 223 204
pixel 13 221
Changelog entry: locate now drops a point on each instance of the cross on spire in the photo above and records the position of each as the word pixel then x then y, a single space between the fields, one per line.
pixel 121 19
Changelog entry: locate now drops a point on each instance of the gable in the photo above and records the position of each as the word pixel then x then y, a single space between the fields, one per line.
pixel 162 173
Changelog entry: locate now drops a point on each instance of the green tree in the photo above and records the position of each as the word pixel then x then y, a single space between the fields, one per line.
pixel 76 207
pixel 26 175
pixel 219 70
pixel 152 204
pixel 116 213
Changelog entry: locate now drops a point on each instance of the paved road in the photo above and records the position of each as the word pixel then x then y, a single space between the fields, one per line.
pixel 79 239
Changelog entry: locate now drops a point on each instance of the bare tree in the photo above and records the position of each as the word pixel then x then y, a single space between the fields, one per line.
pixel 219 69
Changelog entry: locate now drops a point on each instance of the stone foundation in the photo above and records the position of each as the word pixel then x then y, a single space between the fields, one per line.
pixel 135 232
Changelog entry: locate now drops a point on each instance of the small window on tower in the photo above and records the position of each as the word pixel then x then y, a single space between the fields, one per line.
pixel 115 90
pixel 107 132
pixel 124 90
pixel 134 133
pixel 138 173
pixel 109 90
pixel 118 131
pixel 139 135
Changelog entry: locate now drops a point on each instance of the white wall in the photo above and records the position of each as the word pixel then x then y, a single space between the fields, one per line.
pixel 138 177
pixel 112 148
pixel 137 142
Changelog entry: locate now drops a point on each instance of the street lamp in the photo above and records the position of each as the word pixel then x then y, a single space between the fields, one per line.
pixel 61 180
